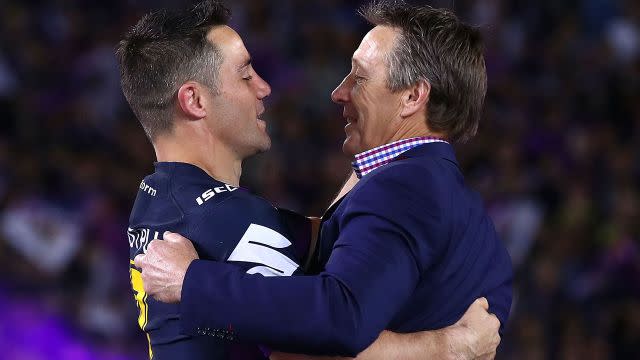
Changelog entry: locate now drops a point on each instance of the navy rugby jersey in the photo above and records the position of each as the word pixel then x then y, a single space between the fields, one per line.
pixel 225 223
pixel 409 248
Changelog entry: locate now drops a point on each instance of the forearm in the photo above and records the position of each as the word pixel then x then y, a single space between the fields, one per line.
pixel 332 330
pixel 322 314
pixel 288 356
pixel 390 345
pixel 418 346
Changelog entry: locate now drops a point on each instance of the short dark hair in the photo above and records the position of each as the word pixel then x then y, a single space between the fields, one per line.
pixel 435 46
pixel 165 49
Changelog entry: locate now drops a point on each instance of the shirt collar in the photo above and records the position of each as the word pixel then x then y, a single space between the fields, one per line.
pixel 186 170
pixel 366 162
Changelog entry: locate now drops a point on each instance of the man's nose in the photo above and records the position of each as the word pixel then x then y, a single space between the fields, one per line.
pixel 341 94
pixel 263 87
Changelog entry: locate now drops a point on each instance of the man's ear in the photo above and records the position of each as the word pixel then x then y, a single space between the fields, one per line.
pixel 191 100
pixel 415 98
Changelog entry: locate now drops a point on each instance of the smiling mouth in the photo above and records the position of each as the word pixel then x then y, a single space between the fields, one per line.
pixel 259 117
pixel 261 111
pixel 351 126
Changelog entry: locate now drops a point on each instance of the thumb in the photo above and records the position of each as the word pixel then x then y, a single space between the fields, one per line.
pixel 483 302
pixel 139 261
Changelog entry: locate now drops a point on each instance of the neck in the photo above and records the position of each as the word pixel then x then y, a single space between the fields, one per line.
pixel 414 127
pixel 199 148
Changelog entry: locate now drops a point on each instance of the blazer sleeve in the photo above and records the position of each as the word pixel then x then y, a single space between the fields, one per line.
pixel 373 269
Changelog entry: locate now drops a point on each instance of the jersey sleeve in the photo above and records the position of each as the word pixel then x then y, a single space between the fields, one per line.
pixel 374 268
pixel 247 232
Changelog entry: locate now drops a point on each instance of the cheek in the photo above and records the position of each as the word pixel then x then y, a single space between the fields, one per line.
pixel 366 106
pixel 379 118
pixel 362 101
pixel 239 106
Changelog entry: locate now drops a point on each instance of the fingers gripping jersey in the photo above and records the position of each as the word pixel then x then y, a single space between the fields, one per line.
pixel 225 223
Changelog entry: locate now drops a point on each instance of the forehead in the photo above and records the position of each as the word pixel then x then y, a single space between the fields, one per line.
pixel 229 43
pixel 375 45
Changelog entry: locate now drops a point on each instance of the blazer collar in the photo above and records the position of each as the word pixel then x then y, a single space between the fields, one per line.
pixel 436 149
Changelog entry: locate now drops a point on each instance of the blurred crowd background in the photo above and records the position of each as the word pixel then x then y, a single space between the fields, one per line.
pixel 557 161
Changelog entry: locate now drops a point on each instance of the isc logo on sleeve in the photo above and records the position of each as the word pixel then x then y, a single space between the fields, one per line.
pixel 212 192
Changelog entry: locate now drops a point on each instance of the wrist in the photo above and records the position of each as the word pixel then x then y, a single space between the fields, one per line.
pixel 454 343
pixel 177 291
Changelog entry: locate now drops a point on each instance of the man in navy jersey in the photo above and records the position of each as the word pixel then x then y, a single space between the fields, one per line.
pixel 189 80
pixel 410 246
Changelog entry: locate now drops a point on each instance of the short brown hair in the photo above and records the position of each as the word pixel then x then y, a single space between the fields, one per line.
pixel 165 49
pixel 435 46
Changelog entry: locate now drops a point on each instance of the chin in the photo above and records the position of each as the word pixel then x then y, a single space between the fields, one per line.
pixel 257 147
pixel 264 146
pixel 349 148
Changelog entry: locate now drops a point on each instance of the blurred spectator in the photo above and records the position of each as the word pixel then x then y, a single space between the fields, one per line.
pixel 557 160
pixel 46 236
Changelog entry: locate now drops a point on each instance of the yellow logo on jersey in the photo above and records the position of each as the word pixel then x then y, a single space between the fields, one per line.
pixel 141 301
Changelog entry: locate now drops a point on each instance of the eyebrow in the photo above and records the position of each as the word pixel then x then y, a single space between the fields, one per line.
pixel 245 64
pixel 359 64
pixel 356 61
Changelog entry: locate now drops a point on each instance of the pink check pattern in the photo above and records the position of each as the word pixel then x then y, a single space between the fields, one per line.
pixel 367 161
